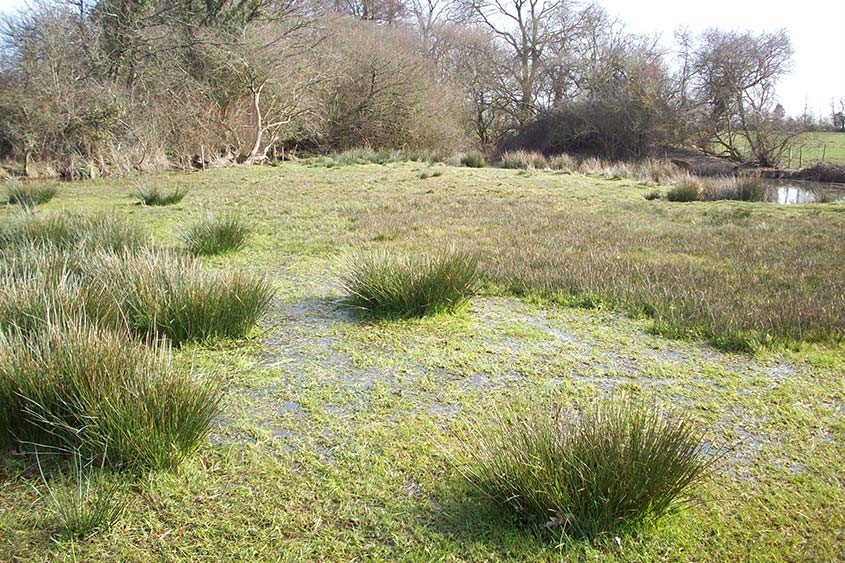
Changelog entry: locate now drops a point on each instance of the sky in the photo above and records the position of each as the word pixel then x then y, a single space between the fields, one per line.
pixel 816 27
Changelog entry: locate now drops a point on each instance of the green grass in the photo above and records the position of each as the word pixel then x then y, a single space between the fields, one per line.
pixel 216 234
pixel 814 146
pixel 608 468
pixel 155 196
pixel 385 285
pixel 336 439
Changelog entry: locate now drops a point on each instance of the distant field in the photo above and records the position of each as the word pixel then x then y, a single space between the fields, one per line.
pixel 814 146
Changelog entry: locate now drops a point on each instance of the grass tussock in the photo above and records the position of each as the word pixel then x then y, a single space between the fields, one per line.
pixel 742 188
pixel 523 160
pixel 29 195
pixel 686 189
pixel 563 163
pixel 216 234
pixel 63 231
pixel 386 285
pixel 79 388
pixel 613 466
pixel 164 295
pixel 155 196
pixel 85 500
pixel 427 175
pixel 153 294
pixel 473 160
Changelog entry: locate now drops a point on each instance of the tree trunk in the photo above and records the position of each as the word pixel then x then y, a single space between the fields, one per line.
pixel 259 125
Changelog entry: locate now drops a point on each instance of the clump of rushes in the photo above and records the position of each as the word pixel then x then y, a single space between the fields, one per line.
pixel 216 234
pixel 152 195
pixel 29 195
pixel 68 231
pixel 523 160
pixel 617 464
pixel 85 501
pixel 155 294
pixel 162 294
pixel 80 388
pixel 473 160
pixel 686 189
pixel 563 162
pixel 386 285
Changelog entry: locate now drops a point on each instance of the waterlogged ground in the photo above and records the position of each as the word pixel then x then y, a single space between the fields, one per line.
pixel 338 438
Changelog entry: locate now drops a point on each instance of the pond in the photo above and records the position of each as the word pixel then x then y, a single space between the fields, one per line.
pixel 790 192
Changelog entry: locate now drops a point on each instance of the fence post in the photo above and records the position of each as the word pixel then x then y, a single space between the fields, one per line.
pixel 824 151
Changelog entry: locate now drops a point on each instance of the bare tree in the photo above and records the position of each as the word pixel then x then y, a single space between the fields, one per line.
pixel 733 80
pixel 531 30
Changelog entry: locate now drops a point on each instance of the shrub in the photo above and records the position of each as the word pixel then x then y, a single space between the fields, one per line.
pixel 473 160
pixel 89 390
pixel 523 160
pixel 85 501
pixel 402 286
pixel 216 235
pixel 616 464
pixel 68 231
pixel 152 195
pixel 29 195
pixel 686 189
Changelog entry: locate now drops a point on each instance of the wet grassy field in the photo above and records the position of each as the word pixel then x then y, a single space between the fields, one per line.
pixel 338 438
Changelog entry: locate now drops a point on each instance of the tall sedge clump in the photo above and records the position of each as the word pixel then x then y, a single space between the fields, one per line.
pixel 66 231
pixel 79 388
pixel 29 195
pixel 161 294
pixel 385 285
pixel 686 189
pixel 616 464
pixel 216 234
pixel 155 196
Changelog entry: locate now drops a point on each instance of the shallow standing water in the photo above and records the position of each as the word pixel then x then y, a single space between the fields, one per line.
pixel 791 192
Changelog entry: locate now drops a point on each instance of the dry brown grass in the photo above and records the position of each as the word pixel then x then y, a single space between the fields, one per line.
pixel 727 274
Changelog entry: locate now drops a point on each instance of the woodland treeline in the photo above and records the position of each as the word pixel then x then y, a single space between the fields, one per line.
pixel 116 85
